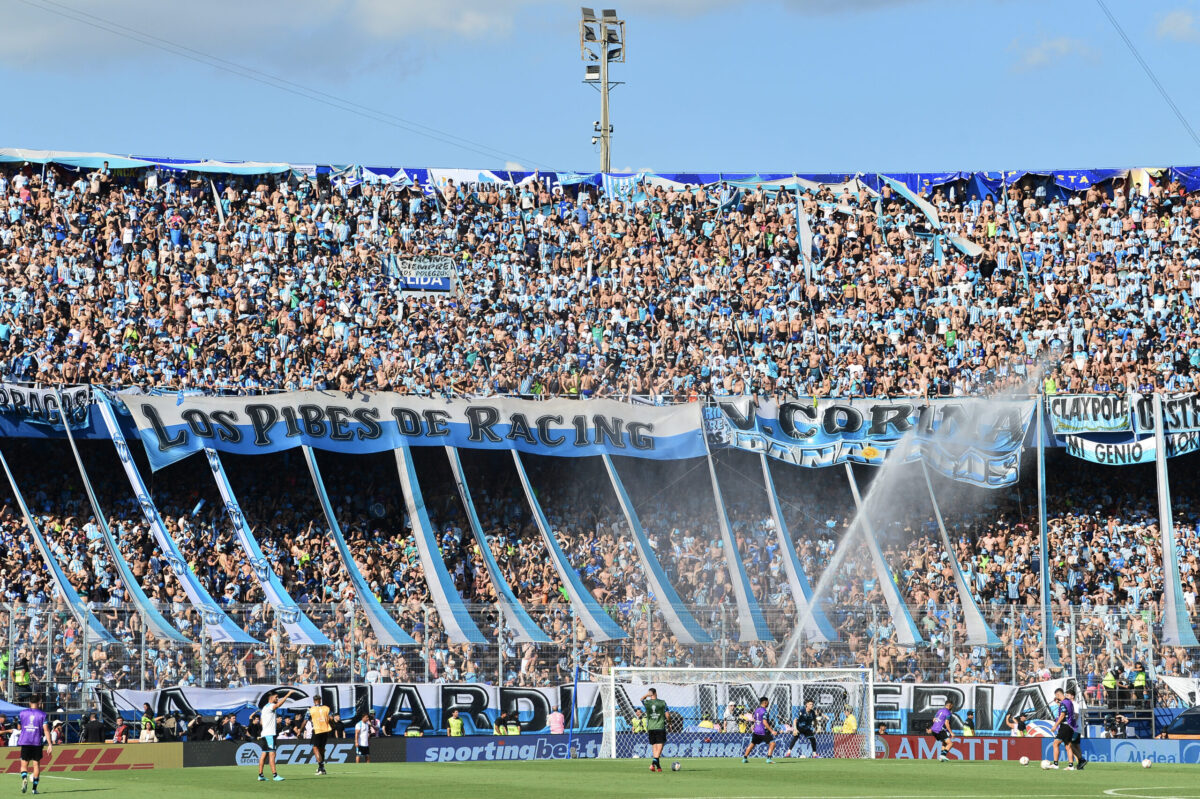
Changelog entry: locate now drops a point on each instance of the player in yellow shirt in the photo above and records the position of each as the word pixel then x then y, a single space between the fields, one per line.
pixel 318 714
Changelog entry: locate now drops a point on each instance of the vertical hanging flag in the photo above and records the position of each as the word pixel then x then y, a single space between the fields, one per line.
pixel 154 621
pixel 978 631
pixel 386 630
pixel 515 616
pixel 752 623
pixel 683 625
pixel 218 625
pixel 1176 626
pixel 79 609
pixel 456 620
pixel 819 629
pixel 593 617
pixel 1049 641
pixel 298 626
pixel 907 633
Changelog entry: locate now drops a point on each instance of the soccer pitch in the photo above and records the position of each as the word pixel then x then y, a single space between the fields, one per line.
pixel 631 779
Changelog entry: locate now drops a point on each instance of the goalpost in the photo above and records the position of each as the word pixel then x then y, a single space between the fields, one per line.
pixel 708 710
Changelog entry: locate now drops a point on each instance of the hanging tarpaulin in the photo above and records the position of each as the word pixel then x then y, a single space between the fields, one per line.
pixel 683 625
pixel 79 609
pixel 456 619
pixel 1122 429
pixel 515 615
pixel 218 625
pixel 151 617
pixel 298 626
pixel 972 440
pixel 598 623
pixel 819 629
pixel 384 626
pixel 907 633
pixel 1176 624
pixel 1049 639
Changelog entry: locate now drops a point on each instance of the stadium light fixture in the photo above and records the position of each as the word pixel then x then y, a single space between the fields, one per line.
pixel 602 39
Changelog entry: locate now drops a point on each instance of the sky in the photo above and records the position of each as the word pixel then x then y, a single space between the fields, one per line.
pixel 784 86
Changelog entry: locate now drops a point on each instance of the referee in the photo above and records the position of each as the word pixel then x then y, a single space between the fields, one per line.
pixel 656 725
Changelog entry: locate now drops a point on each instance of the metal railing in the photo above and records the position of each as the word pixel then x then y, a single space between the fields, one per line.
pixel 45 642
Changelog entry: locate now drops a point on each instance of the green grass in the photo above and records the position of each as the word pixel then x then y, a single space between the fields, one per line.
pixel 630 779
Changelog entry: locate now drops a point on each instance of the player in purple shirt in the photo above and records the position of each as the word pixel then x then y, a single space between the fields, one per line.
pixel 940 730
pixel 762 732
pixel 34 741
pixel 1067 730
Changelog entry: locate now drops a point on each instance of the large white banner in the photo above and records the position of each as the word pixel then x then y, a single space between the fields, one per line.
pixel 173 427
pixel 905 706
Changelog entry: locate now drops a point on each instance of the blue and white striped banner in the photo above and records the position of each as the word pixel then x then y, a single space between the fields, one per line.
pixel 298 626
pixel 598 623
pixel 819 629
pixel 456 619
pixel 173 427
pixel 387 631
pixel 218 625
pixel 683 625
pixel 515 615
pixel 79 609
pixel 154 621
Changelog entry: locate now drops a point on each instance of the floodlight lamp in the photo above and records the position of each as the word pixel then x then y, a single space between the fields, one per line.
pixel 589 15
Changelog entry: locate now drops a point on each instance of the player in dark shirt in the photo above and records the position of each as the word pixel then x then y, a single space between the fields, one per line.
pixel 804 726
pixel 93 730
pixel 1066 729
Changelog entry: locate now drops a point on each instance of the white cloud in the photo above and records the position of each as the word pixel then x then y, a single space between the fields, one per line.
pixel 1048 52
pixel 514 166
pixel 1179 25
pixel 310 34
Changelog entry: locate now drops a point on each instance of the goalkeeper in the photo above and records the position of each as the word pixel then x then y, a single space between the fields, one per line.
pixel 656 725
pixel 804 727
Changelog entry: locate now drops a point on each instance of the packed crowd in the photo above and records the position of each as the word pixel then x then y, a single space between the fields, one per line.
pixel 161 280
pixel 165 280
pixel 1103 543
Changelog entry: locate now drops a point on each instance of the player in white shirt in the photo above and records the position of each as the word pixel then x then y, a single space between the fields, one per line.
pixel 362 739
pixel 269 731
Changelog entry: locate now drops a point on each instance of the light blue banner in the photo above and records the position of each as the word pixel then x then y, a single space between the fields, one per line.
pixel 751 622
pixel 87 620
pixel 1176 625
pixel 971 440
pixel 1049 639
pixel 820 629
pixel 598 623
pixel 514 614
pixel 154 621
pixel 220 628
pixel 456 620
pixel 683 625
pixel 386 630
pixel 296 624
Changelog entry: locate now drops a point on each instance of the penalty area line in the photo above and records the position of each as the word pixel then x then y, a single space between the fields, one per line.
pixel 56 777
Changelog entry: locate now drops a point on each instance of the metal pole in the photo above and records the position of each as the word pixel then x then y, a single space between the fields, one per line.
pixel 574 642
pixel 142 652
pixel 83 666
pixel 12 654
pixel 724 639
pixel 1012 644
pixel 49 655
pixel 500 649
pixel 353 631
pixel 425 616
pixel 875 634
pixel 649 634
pixel 605 135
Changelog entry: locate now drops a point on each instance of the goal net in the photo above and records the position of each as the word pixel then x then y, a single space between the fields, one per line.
pixel 711 711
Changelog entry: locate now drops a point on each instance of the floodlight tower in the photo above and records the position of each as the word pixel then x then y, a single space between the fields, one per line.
pixel 601 39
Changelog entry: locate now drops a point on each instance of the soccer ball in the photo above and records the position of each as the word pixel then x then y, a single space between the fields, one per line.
pixel 1024 761
pixel 1147 763
pixel 1046 765
pixel 676 766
